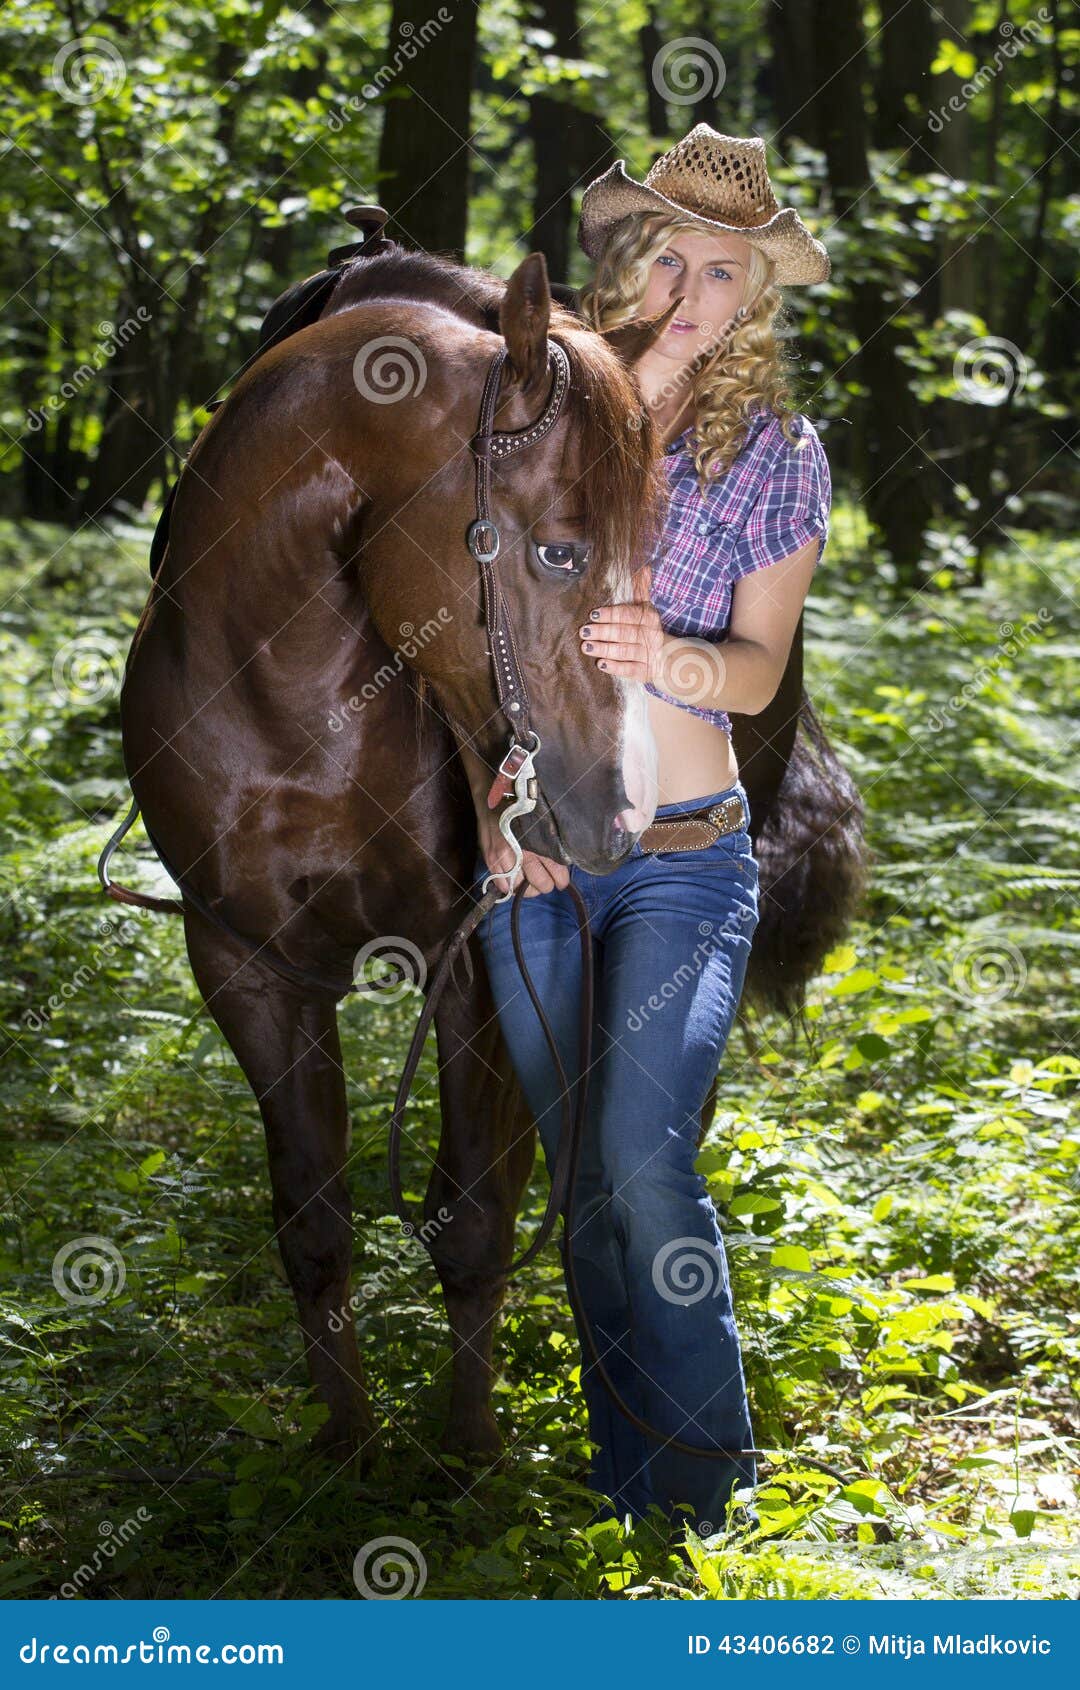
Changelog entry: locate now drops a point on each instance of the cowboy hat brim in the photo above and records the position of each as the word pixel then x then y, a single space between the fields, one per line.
pixel 798 256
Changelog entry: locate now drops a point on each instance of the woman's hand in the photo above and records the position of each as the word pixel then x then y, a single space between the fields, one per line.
pixel 542 874
pixel 627 639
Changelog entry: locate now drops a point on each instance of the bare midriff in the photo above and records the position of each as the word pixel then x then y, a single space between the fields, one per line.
pixel 694 757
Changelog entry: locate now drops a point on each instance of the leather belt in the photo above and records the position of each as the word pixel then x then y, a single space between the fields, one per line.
pixel 695 830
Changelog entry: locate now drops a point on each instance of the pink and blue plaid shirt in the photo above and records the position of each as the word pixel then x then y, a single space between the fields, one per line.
pixel 772 500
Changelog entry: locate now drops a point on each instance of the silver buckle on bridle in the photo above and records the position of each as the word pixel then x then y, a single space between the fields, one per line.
pixel 520 765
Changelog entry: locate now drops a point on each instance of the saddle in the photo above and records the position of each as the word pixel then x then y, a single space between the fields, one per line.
pixel 304 303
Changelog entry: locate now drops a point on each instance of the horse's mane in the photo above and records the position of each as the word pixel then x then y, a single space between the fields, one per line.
pixel 622 486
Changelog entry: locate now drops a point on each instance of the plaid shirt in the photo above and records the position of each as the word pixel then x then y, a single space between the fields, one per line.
pixel 773 499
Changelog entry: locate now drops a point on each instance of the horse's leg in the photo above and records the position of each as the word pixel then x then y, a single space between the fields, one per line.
pixel 486 1151
pixel 287 1044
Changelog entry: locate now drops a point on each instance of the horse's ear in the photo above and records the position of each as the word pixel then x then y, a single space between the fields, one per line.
pixel 523 318
pixel 631 340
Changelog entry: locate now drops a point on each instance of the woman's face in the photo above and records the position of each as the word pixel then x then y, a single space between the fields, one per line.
pixel 711 271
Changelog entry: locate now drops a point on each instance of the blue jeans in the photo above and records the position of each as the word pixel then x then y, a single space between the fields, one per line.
pixel 671 940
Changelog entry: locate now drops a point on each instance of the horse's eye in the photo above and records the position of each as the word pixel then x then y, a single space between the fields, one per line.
pixel 570 557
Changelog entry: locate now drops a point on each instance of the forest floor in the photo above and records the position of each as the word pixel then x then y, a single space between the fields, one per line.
pixel 897 1176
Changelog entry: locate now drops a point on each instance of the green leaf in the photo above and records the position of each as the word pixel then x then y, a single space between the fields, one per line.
pixel 752 1203
pixel 792 1256
pixel 860 981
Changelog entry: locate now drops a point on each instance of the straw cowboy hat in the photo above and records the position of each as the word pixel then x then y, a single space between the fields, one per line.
pixel 722 181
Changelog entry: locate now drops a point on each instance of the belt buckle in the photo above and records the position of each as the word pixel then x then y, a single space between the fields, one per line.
pixel 727 816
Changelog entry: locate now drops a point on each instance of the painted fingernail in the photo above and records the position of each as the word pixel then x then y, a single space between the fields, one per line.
pixel 588 645
pixel 594 616
pixel 601 664
pixel 585 630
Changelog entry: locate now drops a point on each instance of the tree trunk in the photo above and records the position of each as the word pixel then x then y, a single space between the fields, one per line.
pixel 905 50
pixel 790 27
pixel 898 489
pixel 951 149
pixel 1021 312
pixel 650 42
pixel 570 146
pixel 424 150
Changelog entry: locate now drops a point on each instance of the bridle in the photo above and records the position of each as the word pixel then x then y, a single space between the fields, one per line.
pixel 518 765
pixel 483 541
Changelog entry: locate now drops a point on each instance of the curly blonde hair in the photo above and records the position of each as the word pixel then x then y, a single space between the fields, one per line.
pixel 746 372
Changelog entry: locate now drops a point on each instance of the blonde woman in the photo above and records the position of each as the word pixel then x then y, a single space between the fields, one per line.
pixel 709 633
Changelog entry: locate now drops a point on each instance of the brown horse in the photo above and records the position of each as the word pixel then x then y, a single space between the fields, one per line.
pixel 311 655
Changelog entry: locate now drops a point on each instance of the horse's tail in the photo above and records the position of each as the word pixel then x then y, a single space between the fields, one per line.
pixel 812 859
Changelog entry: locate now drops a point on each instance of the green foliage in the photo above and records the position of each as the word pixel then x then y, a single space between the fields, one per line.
pixel 897 1178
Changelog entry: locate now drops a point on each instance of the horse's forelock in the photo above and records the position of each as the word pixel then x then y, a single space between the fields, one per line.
pixel 621 485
